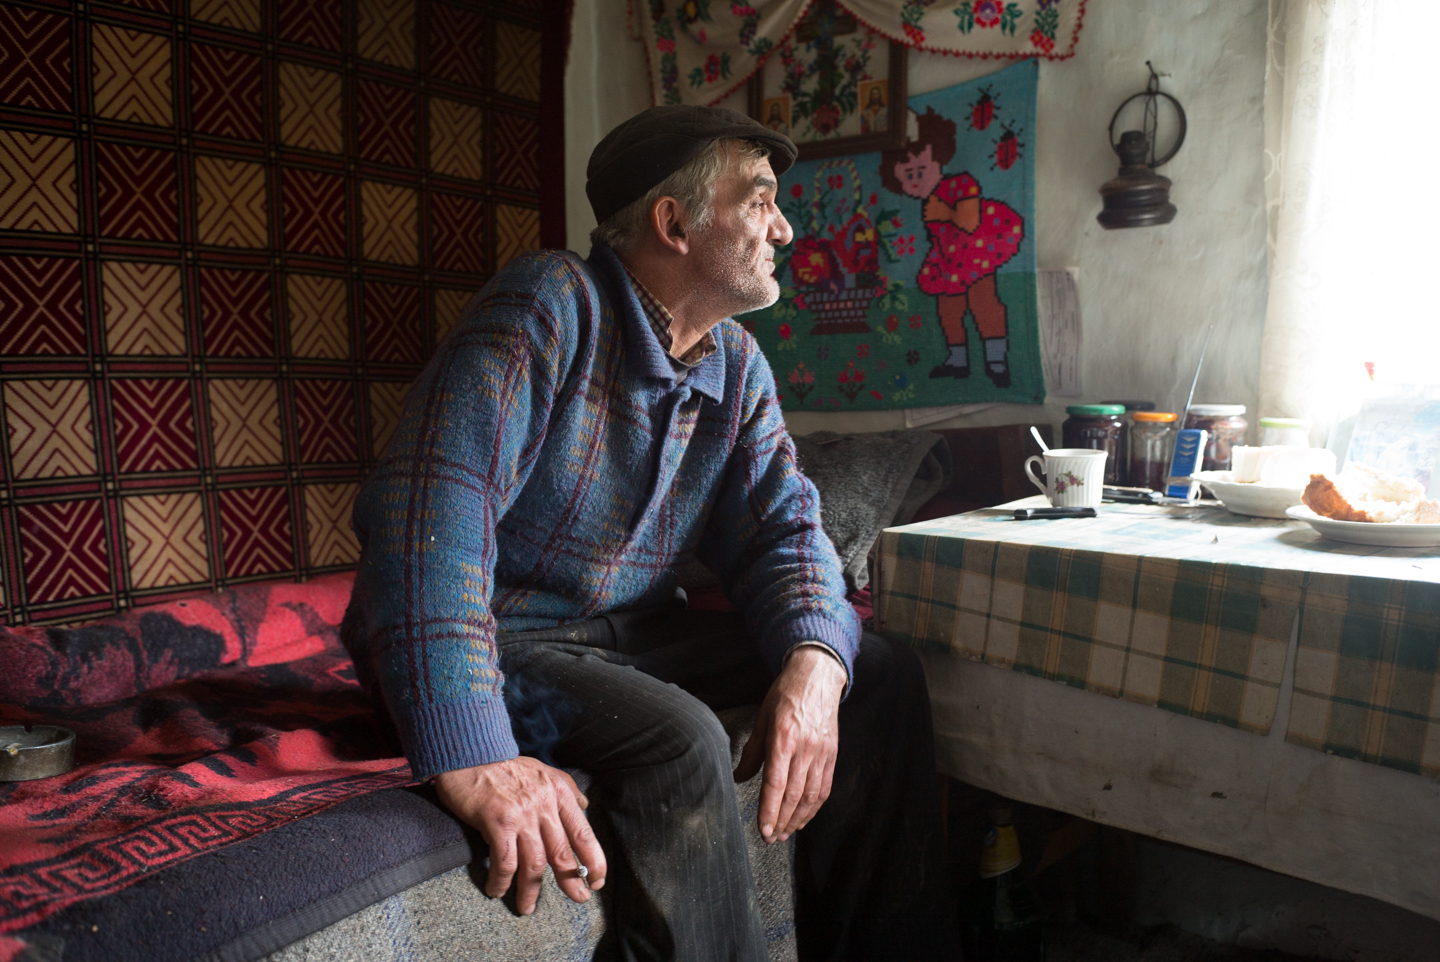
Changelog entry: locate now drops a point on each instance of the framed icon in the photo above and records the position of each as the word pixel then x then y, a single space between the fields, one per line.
pixel 775 113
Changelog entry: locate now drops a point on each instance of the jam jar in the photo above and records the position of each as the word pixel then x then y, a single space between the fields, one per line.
pixel 1102 427
pixel 1152 442
pixel 1226 424
pixel 1130 408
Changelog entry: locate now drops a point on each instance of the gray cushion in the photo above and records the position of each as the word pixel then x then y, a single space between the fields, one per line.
pixel 868 482
pixel 448 918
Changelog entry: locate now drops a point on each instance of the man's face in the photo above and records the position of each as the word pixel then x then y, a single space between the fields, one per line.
pixel 919 174
pixel 734 258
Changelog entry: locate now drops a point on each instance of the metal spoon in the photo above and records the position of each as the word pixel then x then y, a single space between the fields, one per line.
pixel 1035 432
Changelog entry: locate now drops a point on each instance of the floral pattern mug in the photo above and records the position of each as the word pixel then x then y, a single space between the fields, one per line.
pixel 1074 477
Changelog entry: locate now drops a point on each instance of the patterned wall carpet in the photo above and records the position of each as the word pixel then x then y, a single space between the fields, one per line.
pixel 230 234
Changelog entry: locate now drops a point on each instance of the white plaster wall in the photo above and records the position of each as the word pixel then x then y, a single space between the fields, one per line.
pixel 605 83
pixel 1147 295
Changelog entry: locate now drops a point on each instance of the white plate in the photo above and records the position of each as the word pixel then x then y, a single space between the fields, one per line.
pixel 1365 532
pixel 1253 500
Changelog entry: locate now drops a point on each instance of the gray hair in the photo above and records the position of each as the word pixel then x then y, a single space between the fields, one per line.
pixel 693 186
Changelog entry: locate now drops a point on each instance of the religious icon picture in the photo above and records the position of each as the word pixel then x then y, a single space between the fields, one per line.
pixel 875 106
pixel 775 113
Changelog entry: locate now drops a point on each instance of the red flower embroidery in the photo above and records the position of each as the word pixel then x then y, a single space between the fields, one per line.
pixel 987 13
pixel 712 68
pixel 863 350
pixel 785 332
pixel 891 323
pixel 666 46
pixel 797 191
pixel 813 261
pixel 1040 40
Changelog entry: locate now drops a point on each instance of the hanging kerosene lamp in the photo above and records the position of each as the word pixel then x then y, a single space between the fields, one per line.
pixel 1139 197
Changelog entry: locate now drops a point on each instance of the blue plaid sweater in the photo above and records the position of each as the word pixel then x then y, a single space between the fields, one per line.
pixel 549 467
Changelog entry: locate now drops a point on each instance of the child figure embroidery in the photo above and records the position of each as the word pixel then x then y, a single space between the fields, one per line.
pixel 970 237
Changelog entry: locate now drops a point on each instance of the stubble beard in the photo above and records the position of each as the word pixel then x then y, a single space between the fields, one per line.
pixel 739 278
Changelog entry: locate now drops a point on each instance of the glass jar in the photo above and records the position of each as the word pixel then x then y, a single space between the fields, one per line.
pixel 1101 427
pixel 1294 432
pixel 1130 408
pixel 1226 424
pixel 1152 442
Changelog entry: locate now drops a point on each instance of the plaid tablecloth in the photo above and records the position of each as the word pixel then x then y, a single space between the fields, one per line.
pixel 1190 610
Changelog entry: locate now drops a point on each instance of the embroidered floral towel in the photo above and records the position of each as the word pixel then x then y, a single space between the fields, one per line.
pixel 702 50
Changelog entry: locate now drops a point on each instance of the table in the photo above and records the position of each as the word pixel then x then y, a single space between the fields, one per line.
pixel 1298 681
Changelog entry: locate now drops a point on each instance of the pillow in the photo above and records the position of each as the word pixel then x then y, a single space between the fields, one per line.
pixel 869 482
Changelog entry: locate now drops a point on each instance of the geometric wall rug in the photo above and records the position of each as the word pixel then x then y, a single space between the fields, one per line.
pixel 231 234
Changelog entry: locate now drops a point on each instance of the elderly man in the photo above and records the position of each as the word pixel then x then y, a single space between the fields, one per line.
pixel 589 427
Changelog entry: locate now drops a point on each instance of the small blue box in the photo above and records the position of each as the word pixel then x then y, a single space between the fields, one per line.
pixel 1189 454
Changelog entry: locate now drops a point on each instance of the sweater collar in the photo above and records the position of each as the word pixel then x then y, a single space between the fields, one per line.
pixel 644 357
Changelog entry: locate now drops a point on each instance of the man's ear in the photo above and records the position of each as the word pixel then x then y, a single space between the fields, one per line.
pixel 668 225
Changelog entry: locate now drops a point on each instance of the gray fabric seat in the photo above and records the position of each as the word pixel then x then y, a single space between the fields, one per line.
pixel 449 919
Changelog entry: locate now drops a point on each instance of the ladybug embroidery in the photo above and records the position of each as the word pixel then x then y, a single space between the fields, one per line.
pixel 1007 150
pixel 983 110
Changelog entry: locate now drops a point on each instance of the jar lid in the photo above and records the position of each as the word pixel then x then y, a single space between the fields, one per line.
pixel 1285 423
pixel 1096 410
pixel 1153 417
pixel 1133 405
pixel 1217 410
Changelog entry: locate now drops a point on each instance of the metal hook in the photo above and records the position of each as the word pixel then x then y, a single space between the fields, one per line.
pixel 1151 122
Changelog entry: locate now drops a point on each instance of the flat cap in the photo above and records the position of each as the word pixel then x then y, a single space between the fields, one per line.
pixel 652 145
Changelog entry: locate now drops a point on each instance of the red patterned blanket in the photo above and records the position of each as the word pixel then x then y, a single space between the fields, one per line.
pixel 199 723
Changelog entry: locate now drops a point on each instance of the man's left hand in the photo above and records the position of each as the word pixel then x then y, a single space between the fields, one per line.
pixel 797 734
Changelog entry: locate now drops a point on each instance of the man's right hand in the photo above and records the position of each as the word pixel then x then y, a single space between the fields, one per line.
pixel 531 815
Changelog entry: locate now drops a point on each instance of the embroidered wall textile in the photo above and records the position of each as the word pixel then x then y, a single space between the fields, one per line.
pixel 700 51
pixel 231 232
pixel 911 279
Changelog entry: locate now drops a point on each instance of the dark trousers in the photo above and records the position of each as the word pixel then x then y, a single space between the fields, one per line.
pixel 631 699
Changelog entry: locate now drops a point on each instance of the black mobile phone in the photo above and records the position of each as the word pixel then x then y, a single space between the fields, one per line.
pixel 1130 495
pixel 1035 514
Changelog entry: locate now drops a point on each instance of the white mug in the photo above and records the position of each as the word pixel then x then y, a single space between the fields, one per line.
pixel 1074 477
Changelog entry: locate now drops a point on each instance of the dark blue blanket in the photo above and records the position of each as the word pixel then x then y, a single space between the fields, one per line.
pixel 251 898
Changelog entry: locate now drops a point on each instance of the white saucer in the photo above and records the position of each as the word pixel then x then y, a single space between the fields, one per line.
pixel 1252 499
pixel 1364 532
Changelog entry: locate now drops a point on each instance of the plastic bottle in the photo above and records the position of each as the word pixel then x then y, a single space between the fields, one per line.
pixel 1000 916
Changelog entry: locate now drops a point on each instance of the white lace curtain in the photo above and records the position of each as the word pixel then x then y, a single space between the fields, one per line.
pixel 1350 117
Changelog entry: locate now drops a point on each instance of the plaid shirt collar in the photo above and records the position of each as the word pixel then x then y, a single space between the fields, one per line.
pixel 660 320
